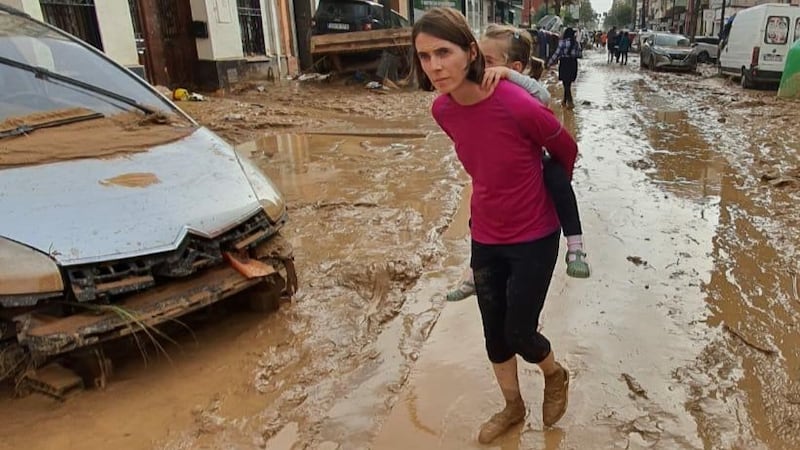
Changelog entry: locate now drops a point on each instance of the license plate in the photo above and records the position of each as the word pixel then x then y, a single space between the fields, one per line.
pixel 338 26
pixel 773 58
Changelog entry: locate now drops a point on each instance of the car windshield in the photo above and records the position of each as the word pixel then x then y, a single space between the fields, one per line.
pixel 344 9
pixel 24 93
pixel 671 40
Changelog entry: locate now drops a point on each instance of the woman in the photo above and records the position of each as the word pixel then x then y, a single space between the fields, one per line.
pixel 498 136
pixel 507 51
pixel 567 54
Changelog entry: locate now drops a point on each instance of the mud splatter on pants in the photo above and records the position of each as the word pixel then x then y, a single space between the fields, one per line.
pixel 512 282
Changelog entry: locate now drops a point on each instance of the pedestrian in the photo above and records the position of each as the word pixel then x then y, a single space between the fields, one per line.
pixel 541 41
pixel 617 41
pixel 624 47
pixel 506 50
pixel 567 55
pixel 513 221
pixel 611 40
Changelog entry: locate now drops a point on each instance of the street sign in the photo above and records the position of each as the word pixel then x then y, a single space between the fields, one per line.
pixel 427 4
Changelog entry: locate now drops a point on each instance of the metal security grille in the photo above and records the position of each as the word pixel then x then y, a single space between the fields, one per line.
pixel 76 17
pixel 138 33
pixel 252 27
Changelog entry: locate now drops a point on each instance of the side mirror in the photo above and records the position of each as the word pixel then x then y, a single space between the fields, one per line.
pixel 694 44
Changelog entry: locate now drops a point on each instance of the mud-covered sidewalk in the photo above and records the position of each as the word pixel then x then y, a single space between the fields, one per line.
pixel 685 336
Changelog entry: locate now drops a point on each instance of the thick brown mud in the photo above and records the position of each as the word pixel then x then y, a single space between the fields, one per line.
pixel 685 336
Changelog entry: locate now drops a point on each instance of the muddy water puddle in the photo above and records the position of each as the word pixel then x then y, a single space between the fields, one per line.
pixel 750 368
pixel 366 217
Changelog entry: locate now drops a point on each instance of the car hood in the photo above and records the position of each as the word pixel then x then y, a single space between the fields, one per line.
pixel 667 49
pixel 91 210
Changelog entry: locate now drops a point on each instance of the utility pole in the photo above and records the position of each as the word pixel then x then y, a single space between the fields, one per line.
pixel 722 18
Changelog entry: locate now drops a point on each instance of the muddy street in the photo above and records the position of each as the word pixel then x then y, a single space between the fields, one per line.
pixel 685 336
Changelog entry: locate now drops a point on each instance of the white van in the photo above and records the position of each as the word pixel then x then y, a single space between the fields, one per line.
pixel 759 40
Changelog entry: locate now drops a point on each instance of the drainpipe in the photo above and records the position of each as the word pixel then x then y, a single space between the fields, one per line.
pixel 275 36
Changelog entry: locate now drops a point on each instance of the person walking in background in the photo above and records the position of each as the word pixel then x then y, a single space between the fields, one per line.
pixel 611 40
pixel 567 55
pixel 624 47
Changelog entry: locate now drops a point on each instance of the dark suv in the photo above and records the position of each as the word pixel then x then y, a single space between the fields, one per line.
pixel 341 16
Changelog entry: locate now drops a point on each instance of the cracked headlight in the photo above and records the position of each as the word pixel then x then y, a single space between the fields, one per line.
pixel 264 189
pixel 26 274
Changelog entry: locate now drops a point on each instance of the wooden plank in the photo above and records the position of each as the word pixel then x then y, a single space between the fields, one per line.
pixel 361 36
pixel 360 41
pixel 382 133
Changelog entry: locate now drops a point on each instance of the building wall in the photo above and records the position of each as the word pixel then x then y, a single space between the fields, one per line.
pixel 116 31
pixel 224 36
pixel 31 7
pixel 114 20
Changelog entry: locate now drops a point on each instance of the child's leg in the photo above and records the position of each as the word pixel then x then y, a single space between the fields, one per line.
pixel 558 184
pixel 465 288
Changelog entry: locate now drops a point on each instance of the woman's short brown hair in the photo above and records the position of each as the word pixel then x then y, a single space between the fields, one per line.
pixel 450 25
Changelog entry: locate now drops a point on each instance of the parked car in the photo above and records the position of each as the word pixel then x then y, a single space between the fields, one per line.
pixel 758 42
pixel 668 51
pixel 342 16
pixel 119 212
pixel 706 48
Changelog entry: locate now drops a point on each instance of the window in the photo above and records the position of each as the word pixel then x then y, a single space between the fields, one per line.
pixel 252 27
pixel 797 30
pixel 777 30
pixel 76 17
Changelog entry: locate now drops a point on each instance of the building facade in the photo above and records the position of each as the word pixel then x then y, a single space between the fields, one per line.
pixel 205 44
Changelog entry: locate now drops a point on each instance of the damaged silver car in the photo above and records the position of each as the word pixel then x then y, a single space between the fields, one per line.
pixel 117 211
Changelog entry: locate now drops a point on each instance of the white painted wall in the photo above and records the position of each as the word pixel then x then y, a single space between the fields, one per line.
pixel 116 31
pixel 31 7
pixel 114 19
pixel 224 36
pixel 270 36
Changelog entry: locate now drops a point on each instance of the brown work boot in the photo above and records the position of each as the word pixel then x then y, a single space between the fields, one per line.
pixel 513 414
pixel 556 393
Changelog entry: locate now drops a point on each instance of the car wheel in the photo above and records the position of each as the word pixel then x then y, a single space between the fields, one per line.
pixel 745 80
pixel 266 296
pixel 703 58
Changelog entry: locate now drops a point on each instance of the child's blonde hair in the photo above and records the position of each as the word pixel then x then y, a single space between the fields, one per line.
pixel 519 42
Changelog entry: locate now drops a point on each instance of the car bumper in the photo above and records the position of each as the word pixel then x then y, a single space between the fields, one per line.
pixel 765 76
pixel 663 62
pixel 46 336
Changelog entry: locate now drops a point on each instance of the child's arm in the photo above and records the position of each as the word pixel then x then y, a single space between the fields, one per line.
pixel 533 87
pixel 493 75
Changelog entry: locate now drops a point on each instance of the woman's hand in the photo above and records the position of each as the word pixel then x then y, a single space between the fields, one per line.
pixel 493 75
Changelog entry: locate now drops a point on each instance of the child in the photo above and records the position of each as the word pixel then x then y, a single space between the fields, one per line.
pixel 507 51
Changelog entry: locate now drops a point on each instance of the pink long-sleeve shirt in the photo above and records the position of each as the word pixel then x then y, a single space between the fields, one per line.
pixel 499 142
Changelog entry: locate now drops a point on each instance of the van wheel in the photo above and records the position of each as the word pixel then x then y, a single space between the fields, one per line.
pixel 703 57
pixel 745 81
